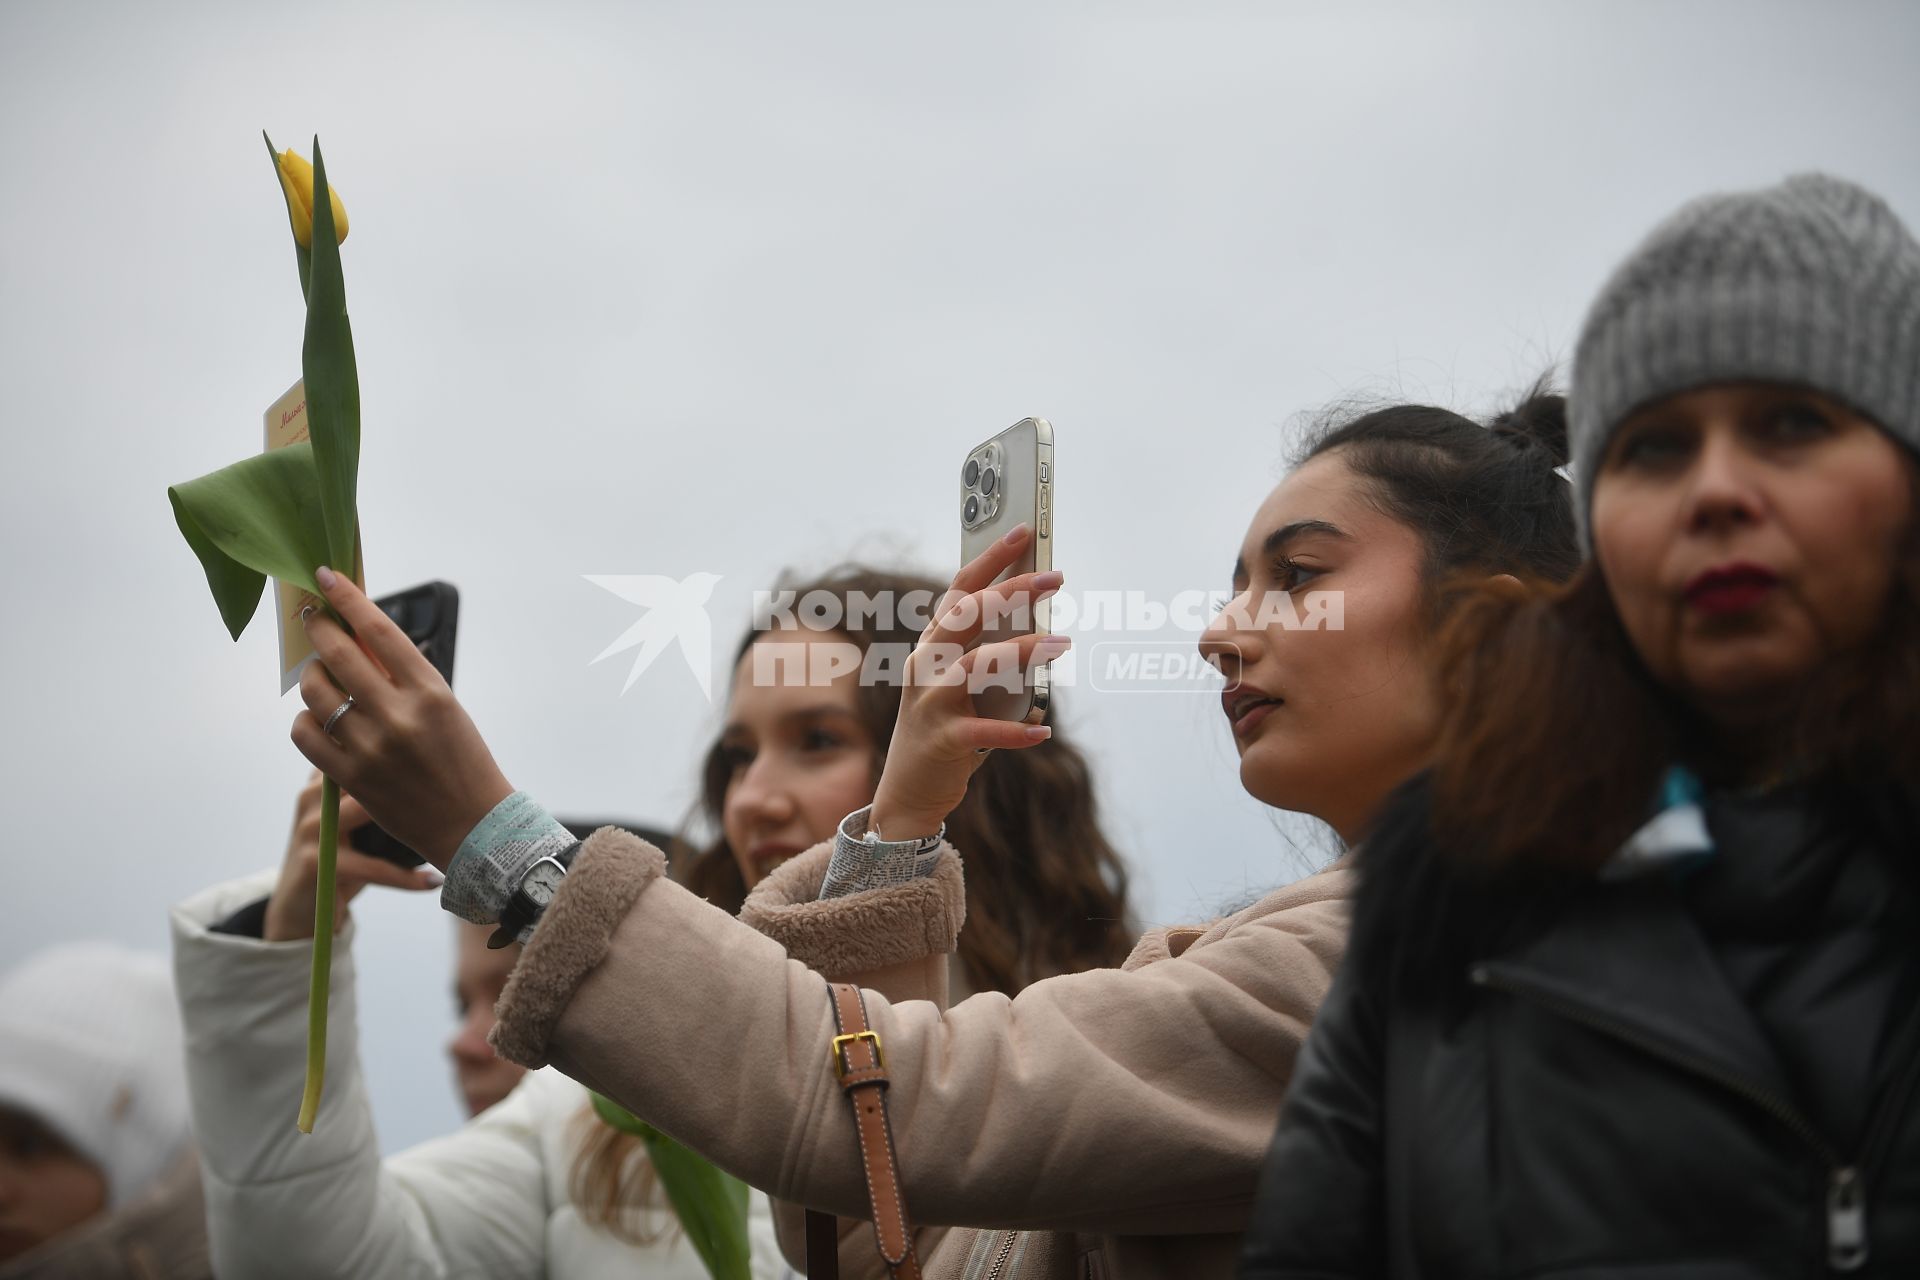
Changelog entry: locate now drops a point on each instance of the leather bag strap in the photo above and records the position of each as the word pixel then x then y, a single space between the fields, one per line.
pixel 860 1066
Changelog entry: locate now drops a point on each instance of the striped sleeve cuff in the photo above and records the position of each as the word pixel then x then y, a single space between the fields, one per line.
pixel 491 861
pixel 860 864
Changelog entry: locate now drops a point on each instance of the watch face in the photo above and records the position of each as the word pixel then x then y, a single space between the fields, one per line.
pixel 542 882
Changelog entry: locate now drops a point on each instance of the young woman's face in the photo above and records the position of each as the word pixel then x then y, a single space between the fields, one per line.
pixel 46 1188
pixel 1748 533
pixel 1327 721
pixel 800 756
pixel 480 974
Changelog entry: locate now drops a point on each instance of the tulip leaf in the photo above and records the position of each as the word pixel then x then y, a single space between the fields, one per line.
pixel 711 1205
pixel 257 519
pixel 618 1117
pixel 333 383
pixel 302 256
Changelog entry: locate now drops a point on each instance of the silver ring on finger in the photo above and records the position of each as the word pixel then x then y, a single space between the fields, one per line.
pixel 334 719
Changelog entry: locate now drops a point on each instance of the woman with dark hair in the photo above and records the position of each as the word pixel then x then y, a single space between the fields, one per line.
pixel 1632 984
pixel 1108 1122
pixel 566 1195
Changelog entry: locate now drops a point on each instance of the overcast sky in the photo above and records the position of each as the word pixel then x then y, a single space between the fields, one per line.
pixel 685 288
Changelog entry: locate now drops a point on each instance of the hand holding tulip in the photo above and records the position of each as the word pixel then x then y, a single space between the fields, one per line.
pixel 278 514
pixel 406 750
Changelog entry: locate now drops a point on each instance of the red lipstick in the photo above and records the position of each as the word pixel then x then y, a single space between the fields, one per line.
pixel 1731 588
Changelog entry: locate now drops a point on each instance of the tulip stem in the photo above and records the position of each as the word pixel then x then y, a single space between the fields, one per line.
pixel 323 912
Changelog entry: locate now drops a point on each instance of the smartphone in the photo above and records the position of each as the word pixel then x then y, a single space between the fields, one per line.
pixel 1008 481
pixel 430 615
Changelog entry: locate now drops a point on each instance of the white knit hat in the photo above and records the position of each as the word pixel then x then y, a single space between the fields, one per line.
pixel 90 1045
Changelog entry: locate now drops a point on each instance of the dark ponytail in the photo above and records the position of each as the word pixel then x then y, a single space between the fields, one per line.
pixel 1537 423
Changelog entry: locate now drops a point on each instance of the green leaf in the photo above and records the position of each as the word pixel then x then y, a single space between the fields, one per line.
pixel 257 519
pixel 333 384
pixel 302 257
pixel 236 588
pixel 616 1116
pixel 711 1205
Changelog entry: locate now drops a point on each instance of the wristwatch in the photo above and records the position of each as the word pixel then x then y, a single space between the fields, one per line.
pixel 537 887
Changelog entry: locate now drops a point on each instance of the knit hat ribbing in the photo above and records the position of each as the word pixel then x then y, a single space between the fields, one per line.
pixel 1813 282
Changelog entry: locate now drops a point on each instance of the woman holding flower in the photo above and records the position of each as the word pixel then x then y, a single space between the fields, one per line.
pixel 538 1185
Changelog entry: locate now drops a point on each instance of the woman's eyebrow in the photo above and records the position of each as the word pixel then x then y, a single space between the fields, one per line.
pixel 1287 533
pixel 819 711
pixel 736 731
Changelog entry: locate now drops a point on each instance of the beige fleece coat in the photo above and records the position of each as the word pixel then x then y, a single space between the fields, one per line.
pixel 1124 1112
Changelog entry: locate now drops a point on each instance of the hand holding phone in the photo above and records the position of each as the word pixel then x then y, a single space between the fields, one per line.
pixel 945 727
pixel 1006 482
pixel 290 907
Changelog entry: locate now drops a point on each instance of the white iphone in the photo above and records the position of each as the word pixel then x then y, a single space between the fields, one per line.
pixel 1007 481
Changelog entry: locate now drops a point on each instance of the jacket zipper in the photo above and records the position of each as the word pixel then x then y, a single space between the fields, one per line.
pixel 1000 1259
pixel 1906 1047
pixel 1846 1189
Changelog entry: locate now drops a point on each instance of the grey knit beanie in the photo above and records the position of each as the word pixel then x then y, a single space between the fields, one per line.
pixel 1813 282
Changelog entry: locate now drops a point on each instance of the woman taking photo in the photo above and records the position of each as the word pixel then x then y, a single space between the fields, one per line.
pixel 1123 1111
pixel 1633 980
pixel 537 1185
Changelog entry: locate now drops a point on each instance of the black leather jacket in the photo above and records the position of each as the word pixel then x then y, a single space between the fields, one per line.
pixel 1627 1079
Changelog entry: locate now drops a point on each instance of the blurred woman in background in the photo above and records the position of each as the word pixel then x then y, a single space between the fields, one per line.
pixel 97 1172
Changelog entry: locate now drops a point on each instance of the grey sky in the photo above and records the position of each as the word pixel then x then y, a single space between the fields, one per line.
pixel 678 288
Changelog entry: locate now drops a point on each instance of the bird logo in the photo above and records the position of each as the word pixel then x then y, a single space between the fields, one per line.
pixel 675 610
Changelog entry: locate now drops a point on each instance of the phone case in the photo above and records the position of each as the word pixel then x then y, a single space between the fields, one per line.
pixel 1020 492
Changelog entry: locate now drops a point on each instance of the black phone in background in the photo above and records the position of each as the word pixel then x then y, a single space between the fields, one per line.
pixel 430 615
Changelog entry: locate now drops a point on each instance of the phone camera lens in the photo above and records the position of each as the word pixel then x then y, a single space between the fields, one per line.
pixel 987 481
pixel 971 476
pixel 971 511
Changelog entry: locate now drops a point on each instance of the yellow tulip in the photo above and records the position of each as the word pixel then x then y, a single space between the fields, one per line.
pixel 296 177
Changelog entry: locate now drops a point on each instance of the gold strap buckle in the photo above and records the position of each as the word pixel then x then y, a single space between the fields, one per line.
pixel 842 1068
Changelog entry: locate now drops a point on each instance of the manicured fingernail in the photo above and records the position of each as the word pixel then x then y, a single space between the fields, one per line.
pixel 1039 732
pixel 1053 646
pixel 306 611
pixel 324 576
pixel 1048 581
pixel 432 877
pixel 1014 534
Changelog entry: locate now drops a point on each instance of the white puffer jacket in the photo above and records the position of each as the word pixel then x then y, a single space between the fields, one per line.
pixel 487 1200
